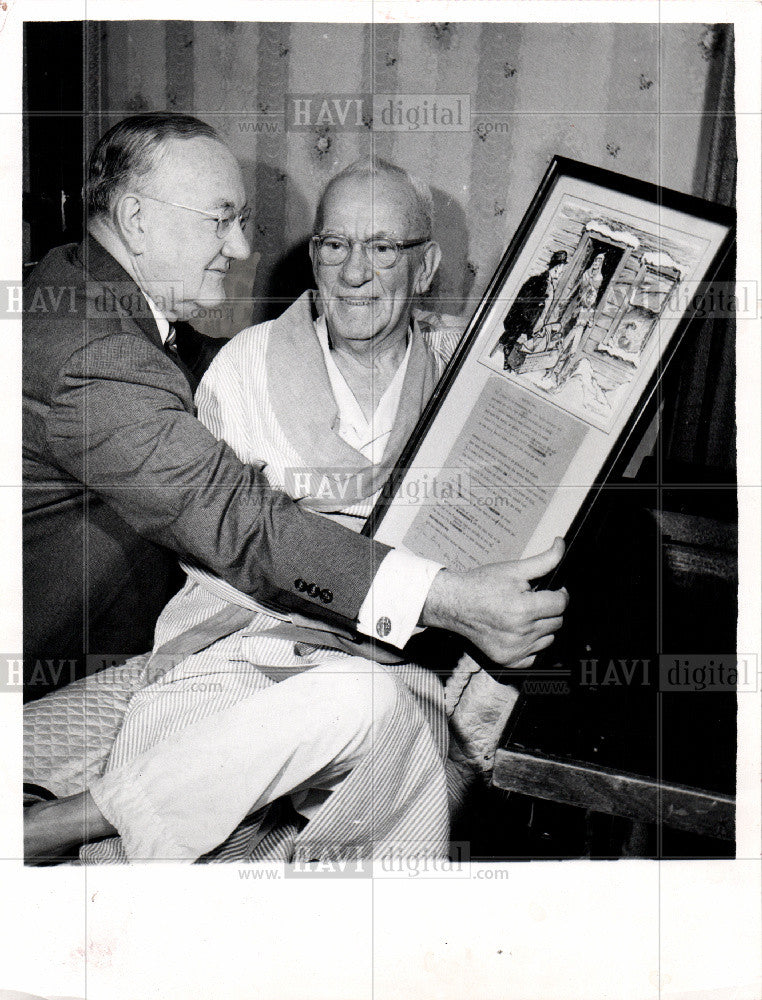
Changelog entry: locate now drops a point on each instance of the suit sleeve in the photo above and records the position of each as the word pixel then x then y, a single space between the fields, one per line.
pixel 118 423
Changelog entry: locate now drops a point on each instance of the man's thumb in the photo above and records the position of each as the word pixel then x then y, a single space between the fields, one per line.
pixel 537 566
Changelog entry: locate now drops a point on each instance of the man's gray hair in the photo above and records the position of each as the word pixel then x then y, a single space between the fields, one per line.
pixel 375 166
pixel 129 150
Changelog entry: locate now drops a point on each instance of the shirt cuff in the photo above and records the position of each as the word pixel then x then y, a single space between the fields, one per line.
pixel 396 598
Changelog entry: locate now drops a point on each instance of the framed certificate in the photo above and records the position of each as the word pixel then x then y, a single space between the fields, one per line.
pixel 603 278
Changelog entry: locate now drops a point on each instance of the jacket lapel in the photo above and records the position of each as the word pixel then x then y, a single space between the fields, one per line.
pixel 123 298
pixel 302 401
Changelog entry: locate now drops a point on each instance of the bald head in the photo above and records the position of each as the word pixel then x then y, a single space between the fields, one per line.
pixel 410 194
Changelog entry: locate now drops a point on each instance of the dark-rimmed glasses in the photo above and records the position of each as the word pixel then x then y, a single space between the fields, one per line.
pixel 381 252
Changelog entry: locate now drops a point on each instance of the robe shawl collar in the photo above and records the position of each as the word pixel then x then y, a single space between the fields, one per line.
pixel 337 475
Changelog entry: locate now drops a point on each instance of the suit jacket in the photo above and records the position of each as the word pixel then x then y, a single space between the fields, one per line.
pixel 120 477
pixel 526 310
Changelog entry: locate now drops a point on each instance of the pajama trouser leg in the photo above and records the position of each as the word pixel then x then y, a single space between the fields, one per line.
pixel 185 795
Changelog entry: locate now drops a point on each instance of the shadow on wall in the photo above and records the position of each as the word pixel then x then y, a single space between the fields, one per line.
pixel 290 276
pixel 452 287
pixel 280 276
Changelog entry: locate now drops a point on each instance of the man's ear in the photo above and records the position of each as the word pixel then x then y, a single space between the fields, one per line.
pixel 129 222
pixel 428 267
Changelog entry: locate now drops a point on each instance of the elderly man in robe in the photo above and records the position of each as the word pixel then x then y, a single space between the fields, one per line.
pixel 277 740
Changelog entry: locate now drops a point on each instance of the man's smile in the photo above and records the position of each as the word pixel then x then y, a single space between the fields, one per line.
pixel 357 300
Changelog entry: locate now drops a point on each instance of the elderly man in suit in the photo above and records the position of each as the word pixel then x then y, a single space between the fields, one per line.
pixel 121 476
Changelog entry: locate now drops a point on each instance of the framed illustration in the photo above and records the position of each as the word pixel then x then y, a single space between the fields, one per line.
pixel 601 281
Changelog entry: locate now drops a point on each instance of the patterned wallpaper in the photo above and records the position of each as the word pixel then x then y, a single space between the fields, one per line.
pixel 627 97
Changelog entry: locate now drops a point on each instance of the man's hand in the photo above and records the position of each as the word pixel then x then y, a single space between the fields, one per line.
pixel 495 608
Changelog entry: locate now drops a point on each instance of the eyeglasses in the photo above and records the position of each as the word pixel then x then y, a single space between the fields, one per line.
pixel 225 220
pixel 332 250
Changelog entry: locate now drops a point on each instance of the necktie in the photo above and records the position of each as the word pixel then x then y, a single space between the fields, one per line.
pixel 170 345
pixel 171 350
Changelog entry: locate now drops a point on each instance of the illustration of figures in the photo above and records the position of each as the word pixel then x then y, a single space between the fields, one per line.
pixel 582 331
pixel 578 317
pixel 524 325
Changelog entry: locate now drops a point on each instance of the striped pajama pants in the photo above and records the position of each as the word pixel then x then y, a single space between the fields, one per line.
pixel 208 753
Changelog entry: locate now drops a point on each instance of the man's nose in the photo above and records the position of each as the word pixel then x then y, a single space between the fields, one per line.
pixel 235 244
pixel 356 269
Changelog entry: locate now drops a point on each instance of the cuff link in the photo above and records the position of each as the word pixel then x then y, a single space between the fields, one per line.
pixel 383 627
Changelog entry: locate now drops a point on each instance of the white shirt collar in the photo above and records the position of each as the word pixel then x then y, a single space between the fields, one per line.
pixel 369 437
pixel 161 320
